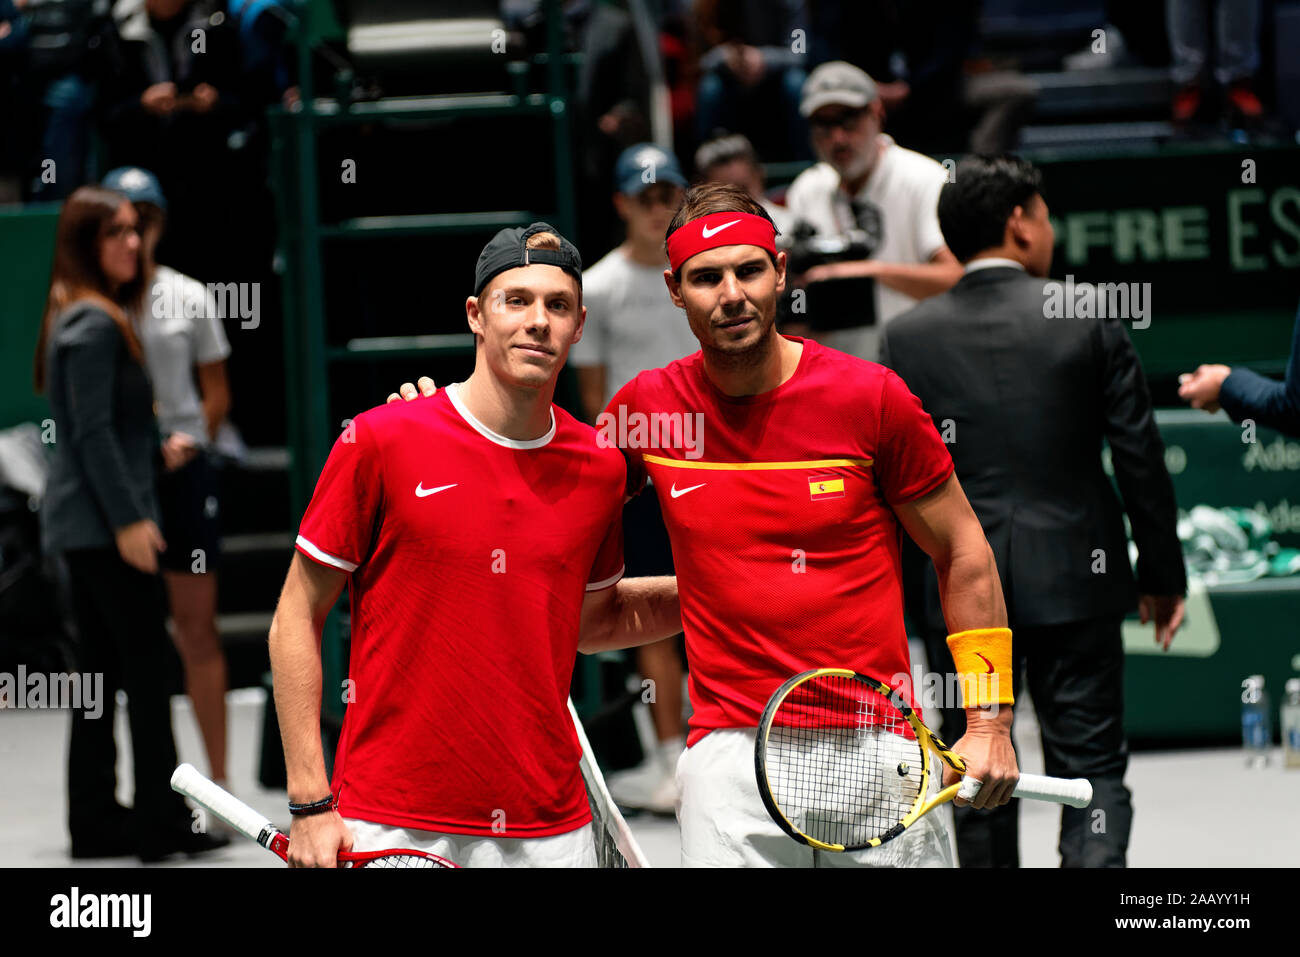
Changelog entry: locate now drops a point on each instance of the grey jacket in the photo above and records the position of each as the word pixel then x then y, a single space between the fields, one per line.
pixel 105 438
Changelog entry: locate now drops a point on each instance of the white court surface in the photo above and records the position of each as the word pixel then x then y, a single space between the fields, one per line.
pixel 1181 798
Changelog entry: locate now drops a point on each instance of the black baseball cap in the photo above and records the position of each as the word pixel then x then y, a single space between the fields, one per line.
pixel 508 250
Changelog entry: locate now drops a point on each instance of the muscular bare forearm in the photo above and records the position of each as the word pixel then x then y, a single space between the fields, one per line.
pixel 971 592
pixel 919 280
pixel 296 670
pixel 641 611
pixel 970 589
pixel 943 524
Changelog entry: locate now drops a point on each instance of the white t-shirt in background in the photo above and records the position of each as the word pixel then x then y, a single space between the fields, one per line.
pixel 174 343
pixel 632 325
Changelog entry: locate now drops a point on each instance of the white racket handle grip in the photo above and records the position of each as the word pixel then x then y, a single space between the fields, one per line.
pixel 188 781
pixel 1076 792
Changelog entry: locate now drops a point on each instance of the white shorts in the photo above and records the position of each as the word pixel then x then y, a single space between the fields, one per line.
pixel 573 849
pixel 724 823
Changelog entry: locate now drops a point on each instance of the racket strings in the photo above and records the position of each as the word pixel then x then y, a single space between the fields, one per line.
pixel 398 861
pixel 843 763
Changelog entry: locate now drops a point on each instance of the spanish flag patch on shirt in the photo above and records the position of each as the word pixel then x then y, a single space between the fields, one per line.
pixel 825 486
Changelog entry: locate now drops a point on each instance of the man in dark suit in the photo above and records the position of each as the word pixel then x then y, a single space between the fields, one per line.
pixel 1024 402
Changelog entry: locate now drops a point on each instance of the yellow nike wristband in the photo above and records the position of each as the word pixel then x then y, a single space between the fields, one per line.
pixel 983 660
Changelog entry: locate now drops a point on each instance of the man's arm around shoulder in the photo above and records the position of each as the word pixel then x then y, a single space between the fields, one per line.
pixel 631 612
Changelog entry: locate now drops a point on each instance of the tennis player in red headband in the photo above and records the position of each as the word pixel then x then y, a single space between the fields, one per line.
pixel 787 542
pixel 785 515
pixel 785 533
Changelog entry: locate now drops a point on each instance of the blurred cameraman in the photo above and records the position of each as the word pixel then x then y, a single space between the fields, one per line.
pixel 867 242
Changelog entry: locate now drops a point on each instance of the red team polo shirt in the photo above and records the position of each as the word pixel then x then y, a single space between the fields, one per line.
pixel 786 549
pixel 469 557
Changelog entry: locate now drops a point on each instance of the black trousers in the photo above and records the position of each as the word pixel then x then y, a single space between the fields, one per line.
pixel 1076 678
pixel 121 617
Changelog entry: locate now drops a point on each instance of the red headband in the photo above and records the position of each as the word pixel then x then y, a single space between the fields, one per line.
pixel 719 229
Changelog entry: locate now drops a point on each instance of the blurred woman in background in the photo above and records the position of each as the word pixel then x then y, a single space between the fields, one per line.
pixel 101 512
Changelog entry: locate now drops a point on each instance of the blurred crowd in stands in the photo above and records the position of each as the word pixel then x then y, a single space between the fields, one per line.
pixel 181 86
pixel 178 87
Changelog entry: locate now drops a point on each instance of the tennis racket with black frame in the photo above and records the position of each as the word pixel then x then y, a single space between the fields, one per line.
pixel 843 763
pixel 256 827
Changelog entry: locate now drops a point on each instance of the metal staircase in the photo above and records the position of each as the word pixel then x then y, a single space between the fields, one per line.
pixel 315 359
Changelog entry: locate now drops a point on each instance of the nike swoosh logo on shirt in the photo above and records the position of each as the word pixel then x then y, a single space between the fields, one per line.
pixel 421 491
pixel 706 232
pixel 679 492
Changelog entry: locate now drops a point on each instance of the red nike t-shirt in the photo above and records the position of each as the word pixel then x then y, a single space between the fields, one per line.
pixel 470 555
pixel 778 508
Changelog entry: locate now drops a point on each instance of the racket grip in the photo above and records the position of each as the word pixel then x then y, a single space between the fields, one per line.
pixel 1076 792
pixel 188 781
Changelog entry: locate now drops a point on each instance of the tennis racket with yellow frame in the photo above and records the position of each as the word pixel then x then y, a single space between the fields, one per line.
pixel 844 763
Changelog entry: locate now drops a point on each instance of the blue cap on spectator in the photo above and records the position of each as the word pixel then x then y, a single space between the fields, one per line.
pixel 138 185
pixel 641 166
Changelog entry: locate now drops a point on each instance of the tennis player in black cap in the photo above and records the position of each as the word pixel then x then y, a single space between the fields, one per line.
pixel 480 534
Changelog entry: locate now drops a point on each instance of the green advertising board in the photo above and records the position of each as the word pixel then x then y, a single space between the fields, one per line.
pixel 1213 461
pixel 1192 692
pixel 1207 241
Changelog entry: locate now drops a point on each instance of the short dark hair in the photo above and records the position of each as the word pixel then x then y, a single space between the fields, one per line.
pixel 725 149
pixel 707 198
pixel 975 206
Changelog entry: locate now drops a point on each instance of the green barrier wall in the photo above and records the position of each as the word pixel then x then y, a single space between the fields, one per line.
pixel 26 256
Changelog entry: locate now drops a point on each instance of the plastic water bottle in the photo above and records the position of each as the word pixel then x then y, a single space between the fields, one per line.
pixel 1291 724
pixel 1256 726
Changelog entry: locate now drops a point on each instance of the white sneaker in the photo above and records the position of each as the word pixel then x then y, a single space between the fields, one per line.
pixel 651 785
pixel 631 788
pixel 665 796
